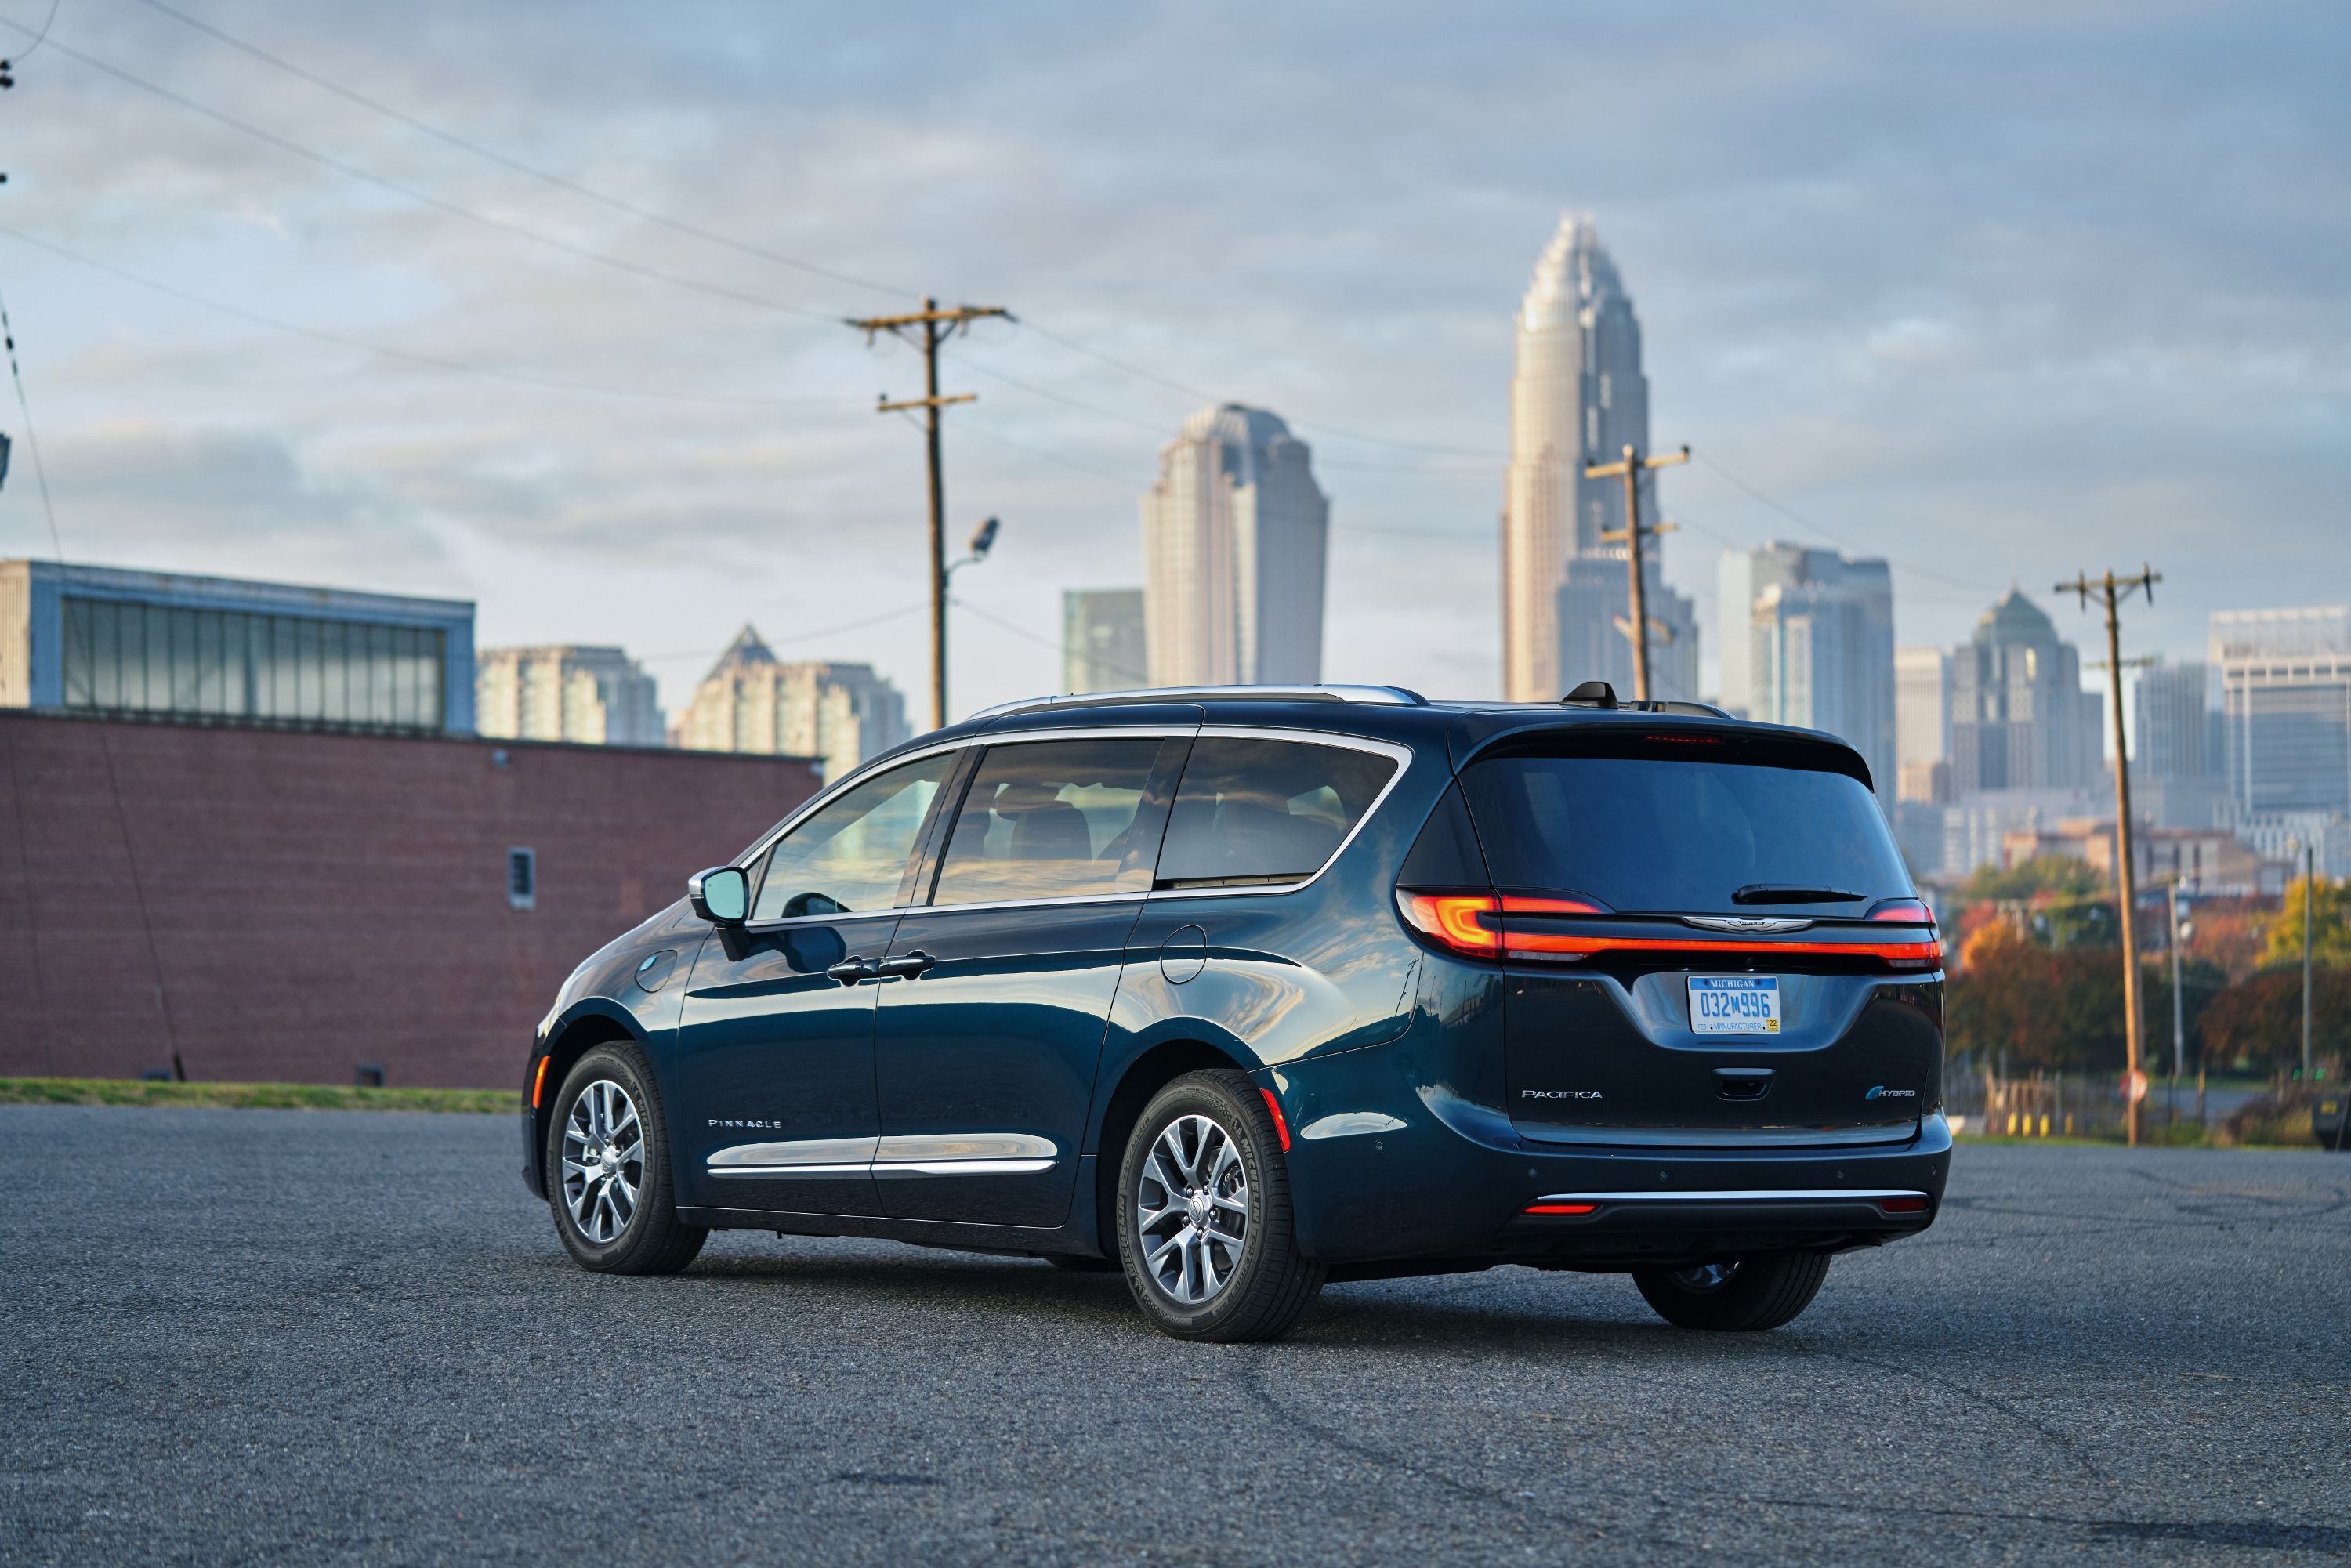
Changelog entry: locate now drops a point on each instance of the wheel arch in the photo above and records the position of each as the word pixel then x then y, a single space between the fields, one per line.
pixel 571 1040
pixel 1151 1070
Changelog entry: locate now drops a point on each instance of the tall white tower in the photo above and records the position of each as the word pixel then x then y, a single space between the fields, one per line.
pixel 1578 396
pixel 1234 538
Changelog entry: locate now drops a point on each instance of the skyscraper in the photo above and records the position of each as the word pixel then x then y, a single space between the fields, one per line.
pixel 1578 396
pixel 1103 645
pixel 1922 704
pixel 1234 537
pixel 1744 577
pixel 752 701
pixel 2285 684
pixel 2020 718
pixel 1821 655
pixel 2175 734
pixel 598 696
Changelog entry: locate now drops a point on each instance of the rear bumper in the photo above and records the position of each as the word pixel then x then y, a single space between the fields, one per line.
pixel 1395 1169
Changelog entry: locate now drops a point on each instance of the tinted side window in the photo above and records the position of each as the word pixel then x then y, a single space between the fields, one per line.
pixel 1265 811
pixel 1047 819
pixel 852 854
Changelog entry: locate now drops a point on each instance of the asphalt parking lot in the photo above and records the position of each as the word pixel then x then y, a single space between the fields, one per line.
pixel 261 1336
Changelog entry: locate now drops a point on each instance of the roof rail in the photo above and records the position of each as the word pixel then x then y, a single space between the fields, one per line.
pixel 1392 696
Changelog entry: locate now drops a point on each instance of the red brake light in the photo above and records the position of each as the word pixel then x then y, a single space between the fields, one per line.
pixel 1905 911
pixel 1555 906
pixel 1563 1209
pixel 1451 918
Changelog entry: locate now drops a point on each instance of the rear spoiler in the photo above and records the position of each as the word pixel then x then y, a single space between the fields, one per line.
pixel 1653 736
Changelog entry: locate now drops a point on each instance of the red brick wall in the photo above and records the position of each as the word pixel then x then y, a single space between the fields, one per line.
pixel 319 901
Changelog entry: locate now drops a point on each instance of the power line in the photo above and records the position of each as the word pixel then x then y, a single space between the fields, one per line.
pixel 410 356
pixel 40 473
pixel 1800 520
pixel 353 171
pixel 38 38
pixel 1138 677
pixel 817 636
pixel 531 170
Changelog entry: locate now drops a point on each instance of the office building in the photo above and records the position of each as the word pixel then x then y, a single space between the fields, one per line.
pixel 752 701
pixel 593 696
pixel 1814 634
pixel 1591 610
pixel 1102 641
pixel 2285 684
pixel 1922 710
pixel 2020 719
pixel 1235 536
pixel 1577 396
pixel 2172 718
pixel 1821 658
pixel 99 640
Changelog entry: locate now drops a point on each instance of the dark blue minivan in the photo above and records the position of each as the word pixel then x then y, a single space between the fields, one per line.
pixel 1242 989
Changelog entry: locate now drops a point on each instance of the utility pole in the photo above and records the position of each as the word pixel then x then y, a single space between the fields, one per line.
pixel 2115 591
pixel 1631 467
pixel 937 326
pixel 2309 897
pixel 2178 1013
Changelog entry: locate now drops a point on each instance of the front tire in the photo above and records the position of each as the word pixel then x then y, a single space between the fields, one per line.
pixel 608 1169
pixel 1204 1227
pixel 1742 1295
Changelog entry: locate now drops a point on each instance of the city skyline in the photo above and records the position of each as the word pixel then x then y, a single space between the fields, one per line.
pixel 1841 329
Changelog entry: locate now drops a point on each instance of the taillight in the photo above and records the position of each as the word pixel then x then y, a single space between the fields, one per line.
pixel 1903 1205
pixel 1453 920
pixel 1902 911
pixel 1563 1209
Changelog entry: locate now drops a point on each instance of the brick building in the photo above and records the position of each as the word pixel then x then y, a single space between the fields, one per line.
pixel 296 904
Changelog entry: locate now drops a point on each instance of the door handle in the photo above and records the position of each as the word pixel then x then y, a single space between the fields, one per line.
pixel 908 966
pixel 849 971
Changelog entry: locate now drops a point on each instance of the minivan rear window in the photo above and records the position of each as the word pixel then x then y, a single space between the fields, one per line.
pixel 1265 811
pixel 1663 835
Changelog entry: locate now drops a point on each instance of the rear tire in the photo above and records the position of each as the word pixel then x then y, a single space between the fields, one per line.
pixel 1204 1227
pixel 1742 1295
pixel 608 1170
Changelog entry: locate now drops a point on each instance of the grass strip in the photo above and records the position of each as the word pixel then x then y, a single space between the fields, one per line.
pixel 248 1096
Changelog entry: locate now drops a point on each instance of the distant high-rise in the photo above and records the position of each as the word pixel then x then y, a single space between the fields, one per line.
pixel 2020 718
pixel 1807 638
pixel 751 701
pixel 2174 723
pixel 1579 396
pixel 595 695
pixel 1821 655
pixel 1103 645
pixel 2285 684
pixel 1234 541
pixel 1922 705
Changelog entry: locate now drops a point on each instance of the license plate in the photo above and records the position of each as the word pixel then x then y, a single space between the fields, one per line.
pixel 1734 1004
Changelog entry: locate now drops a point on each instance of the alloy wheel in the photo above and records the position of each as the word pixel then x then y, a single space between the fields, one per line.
pixel 1192 1209
pixel 1706 1276
pixel 603 1161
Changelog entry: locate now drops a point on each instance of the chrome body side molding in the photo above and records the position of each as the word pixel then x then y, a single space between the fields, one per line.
pixel 950 1154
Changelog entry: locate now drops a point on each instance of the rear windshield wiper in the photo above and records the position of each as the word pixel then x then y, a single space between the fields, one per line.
pixel 1788 893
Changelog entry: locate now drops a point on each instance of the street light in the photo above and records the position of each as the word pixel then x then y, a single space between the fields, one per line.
pixel 983 539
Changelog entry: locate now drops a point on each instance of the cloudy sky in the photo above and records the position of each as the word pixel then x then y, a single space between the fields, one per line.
pixel 2000 291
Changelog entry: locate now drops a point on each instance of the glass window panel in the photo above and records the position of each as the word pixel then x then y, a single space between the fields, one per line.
pixel 383 671
pixel 309 638
pixel 106 654
pixel 157 693
pixel 80 688
pixel 433 676
pixel 1265 811
pixel 852 854
pixel 184 673
pixel 208 661
pixel 1045 820
pixel 335 661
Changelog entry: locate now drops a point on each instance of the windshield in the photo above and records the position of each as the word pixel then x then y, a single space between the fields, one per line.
pixel 1664 836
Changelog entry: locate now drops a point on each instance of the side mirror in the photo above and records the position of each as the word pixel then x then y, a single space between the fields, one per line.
pixel 721 895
